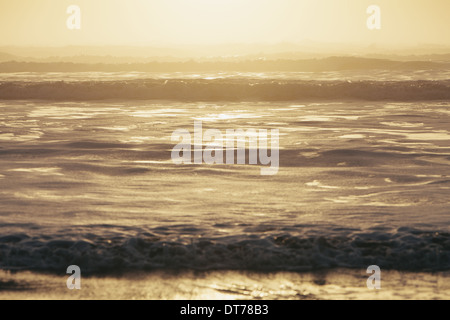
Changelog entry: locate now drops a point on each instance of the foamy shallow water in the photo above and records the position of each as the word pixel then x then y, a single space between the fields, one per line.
pixel 93 184
pixel 341 284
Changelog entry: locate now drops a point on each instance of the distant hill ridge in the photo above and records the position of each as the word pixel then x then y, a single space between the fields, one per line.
pixel 256 65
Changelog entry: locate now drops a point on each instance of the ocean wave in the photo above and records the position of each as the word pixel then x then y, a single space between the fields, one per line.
pixel 226 90
pixel 405 249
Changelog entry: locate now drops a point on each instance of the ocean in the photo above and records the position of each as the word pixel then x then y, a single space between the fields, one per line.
pixel 87 179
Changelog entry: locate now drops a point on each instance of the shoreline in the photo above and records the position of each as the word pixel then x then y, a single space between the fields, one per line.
pixel 338 284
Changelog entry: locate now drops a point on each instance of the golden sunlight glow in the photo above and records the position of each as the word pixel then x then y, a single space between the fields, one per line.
pixel 144 22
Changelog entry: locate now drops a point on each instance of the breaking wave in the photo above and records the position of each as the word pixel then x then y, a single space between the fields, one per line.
pixel 226 90
pixel 124 251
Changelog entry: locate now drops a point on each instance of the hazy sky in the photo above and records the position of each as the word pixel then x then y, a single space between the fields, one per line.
pixel 166 22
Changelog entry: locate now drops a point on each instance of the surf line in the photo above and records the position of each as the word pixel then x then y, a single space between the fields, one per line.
pixel 228 148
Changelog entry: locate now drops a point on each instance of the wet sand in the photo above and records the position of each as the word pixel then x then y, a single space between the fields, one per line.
pixel 229 285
